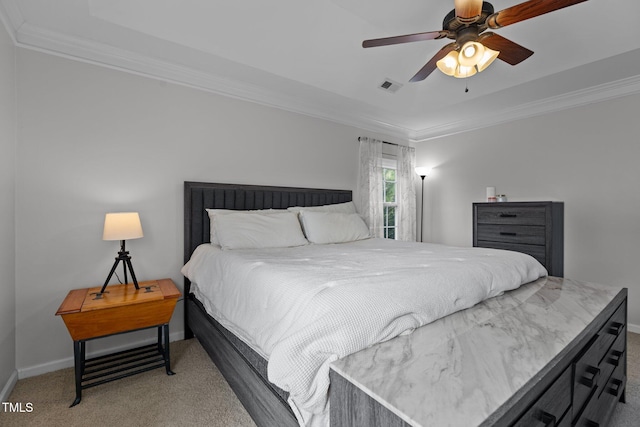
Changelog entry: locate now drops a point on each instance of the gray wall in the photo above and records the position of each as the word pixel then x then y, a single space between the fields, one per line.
pixel 93 140
pixel 7 205
pixel 587 157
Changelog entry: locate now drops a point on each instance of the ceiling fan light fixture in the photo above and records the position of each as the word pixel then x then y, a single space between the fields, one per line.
pixel 488 57
pixel 449 63
pixel 463 71
pixel 470 54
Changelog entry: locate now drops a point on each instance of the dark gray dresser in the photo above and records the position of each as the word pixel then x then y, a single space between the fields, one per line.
pixel 534 228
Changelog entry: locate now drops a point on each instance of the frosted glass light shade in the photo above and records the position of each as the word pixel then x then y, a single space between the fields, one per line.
pixel 463 72
pixel 449 63
pixel 470 54
pixel 488 57
pixel 423 171
pixel 122 226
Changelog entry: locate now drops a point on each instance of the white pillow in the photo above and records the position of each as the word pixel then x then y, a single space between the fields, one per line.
pixel 259 230
pixel 333 227
pixel 346 207
pixel 213 213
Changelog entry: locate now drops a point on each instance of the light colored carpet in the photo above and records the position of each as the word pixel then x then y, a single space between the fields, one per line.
pixel 197 395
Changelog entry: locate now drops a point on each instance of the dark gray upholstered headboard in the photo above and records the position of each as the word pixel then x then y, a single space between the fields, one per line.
pixel 199 196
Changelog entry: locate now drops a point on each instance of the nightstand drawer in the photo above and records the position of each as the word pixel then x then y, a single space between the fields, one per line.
pixel 504 214
pixel 524 234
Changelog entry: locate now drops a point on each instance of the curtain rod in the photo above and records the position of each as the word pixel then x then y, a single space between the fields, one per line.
pixel 385 142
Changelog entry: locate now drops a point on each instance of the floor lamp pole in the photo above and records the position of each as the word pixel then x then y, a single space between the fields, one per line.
pixel 422 208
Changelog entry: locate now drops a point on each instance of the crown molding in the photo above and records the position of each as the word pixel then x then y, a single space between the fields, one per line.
pixel 324 105
pixel 578 98
pixel 11 17
pixel 35 38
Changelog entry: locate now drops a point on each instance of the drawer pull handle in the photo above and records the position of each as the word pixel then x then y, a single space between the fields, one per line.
pixel 590 376
pixel 615 387
pixel 508 215
pixel 549 420
pixel 616 357
pixel 507 233
pixel 616 328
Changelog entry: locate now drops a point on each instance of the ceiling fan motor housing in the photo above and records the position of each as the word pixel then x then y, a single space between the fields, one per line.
pixel 463 31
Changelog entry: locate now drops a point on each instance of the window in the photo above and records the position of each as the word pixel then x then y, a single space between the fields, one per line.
pixel 390 204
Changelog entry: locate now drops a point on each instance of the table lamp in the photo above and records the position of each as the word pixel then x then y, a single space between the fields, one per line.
pixel 122 226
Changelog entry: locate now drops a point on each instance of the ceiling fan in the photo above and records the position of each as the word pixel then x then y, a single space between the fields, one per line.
pixel 473 49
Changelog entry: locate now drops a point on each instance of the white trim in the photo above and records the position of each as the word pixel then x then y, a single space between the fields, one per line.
pixel 633 328
pixel 55 365
pixel 552 104
pixel 8 387
pixel 346 111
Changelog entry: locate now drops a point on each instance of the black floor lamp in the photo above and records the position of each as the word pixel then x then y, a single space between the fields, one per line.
pixel 423 172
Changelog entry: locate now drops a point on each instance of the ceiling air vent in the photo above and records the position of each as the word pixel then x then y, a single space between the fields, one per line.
pixel 389 85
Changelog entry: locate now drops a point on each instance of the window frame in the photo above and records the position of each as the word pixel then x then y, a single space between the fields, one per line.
pixel 389 231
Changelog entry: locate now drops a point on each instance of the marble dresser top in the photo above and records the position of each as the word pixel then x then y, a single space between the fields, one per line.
pixel 459 370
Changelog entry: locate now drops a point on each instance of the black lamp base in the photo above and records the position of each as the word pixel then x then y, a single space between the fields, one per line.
pixel 123 256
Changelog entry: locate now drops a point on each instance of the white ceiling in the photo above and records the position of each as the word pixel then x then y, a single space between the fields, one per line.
pixel 306 56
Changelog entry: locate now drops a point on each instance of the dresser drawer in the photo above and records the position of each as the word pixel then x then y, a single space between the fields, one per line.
pixel 603 402
pixel 593 369
pixel 536 251
pixel 550 408
pixel 524 234
pixel 534 228
pixel 504 214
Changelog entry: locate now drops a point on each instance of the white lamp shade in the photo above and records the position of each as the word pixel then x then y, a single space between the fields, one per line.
pixel 122 226
pixel 423 171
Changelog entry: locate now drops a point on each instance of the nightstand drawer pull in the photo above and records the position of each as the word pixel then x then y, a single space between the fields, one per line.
pixel 591 376
pixel 508 233
pixel 616 328
pixel 508 215
pixel 615 387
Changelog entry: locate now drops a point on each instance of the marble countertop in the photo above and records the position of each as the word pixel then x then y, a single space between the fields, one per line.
pixel 460 369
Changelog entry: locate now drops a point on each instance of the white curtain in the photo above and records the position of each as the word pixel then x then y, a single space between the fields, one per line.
pixel 370 183
pixel 406 193
pixel 371 191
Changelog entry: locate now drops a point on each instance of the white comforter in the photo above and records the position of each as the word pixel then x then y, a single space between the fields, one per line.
pixel 305 307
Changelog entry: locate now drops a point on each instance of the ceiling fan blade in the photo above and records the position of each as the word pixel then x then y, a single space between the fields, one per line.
pixel 468 10
pixel 510 52
pixel 431 65
pixel 408 38
pixel 527 10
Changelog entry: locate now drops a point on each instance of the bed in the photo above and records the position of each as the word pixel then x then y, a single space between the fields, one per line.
pixel 361 397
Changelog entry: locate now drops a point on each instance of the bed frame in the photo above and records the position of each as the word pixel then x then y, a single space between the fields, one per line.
pixel 244 370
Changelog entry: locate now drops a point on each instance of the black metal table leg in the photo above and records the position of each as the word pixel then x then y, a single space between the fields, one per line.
pixel 78 360
pixel 164 330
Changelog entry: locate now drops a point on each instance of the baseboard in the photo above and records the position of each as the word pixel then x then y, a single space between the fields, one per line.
pixel 8 387
pixel 56 365
pixel 633 328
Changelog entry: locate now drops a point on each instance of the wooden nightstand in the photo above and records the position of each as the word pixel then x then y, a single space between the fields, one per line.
pixel 122 308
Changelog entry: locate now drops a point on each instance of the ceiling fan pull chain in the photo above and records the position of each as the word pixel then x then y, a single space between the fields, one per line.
pixel 466 86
